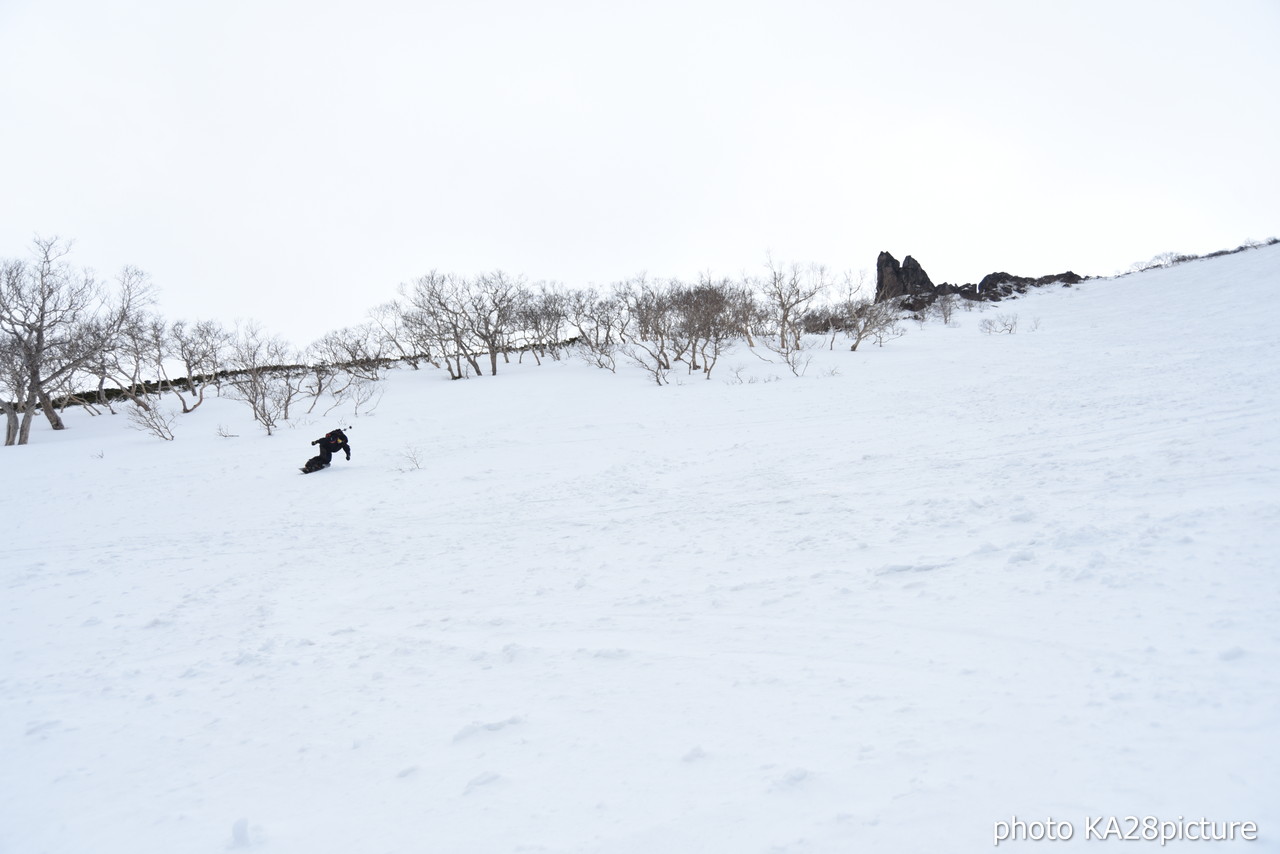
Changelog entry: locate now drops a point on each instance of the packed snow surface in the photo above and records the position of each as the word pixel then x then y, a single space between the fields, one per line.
pixel 920 590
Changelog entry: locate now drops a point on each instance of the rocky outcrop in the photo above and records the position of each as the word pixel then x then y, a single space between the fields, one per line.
pixel 998 286
pixel 909 281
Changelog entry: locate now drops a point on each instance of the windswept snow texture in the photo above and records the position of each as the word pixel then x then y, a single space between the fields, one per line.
pixel 879 608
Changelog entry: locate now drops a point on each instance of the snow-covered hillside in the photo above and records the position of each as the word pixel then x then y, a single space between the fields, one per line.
pixel 921 590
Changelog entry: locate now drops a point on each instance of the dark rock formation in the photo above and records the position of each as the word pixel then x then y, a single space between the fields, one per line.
pixel 998 286
pixel 888 277
pixel 907 279
pixel 910 282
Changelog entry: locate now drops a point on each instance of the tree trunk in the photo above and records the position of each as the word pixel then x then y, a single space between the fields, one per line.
pixel 10 423
pixel 55 420
pixel 24 431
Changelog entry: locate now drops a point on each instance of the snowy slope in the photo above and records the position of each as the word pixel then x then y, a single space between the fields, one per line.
pixel 921 590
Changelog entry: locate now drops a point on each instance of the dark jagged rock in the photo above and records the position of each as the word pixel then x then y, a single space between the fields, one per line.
pixel 915 280
pixel 909 281
pixel 888 278
pixel 998 286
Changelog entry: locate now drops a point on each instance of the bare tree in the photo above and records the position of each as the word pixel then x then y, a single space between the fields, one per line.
pixel 844 314
pixel 788 292
pixel 348 364
pixel 706 321
pixel 264 375
pixel 653 347
pixel 139 352
pixel 541 317
pixel 945 307
pixel 395 340
pixel 746 314
pixel 15 392
pixel 202 350
pixel 434 314
pixel 57 320
pixel 490 304
pixel 321 378
pixel 599 324
pixel 866 319
pixel 358 350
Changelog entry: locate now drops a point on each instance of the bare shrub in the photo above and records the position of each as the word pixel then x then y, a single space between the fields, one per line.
pixel 861 319
pixel 796 356
pixel 887 332
pixel 1001 324
pixel 945 307
pixel 736 371
pixel 414 458
pixel 362 392
pixel 154 420
pixel 1164 259
pixel 650 357
pixel 600 357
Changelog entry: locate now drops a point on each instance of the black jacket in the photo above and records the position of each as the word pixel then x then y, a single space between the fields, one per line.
pixel 334 442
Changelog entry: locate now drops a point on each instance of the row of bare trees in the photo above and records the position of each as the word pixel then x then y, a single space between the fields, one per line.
pixel 455 323
pixel 62 331
pixel 468 325
pixel 263 371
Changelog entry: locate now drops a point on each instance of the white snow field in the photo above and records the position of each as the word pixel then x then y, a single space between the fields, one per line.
pixel 965 578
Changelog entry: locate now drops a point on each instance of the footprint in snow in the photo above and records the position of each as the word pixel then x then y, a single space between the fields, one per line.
pixel 483 780
pixel 479 727
pixel 895 568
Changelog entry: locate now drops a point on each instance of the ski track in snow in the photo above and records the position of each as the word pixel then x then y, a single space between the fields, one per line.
pixel 969 577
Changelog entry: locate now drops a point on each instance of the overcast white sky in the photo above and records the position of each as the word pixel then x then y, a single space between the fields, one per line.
pixel 293 162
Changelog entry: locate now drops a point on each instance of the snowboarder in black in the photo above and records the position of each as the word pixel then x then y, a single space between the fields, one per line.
pixel 330 444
